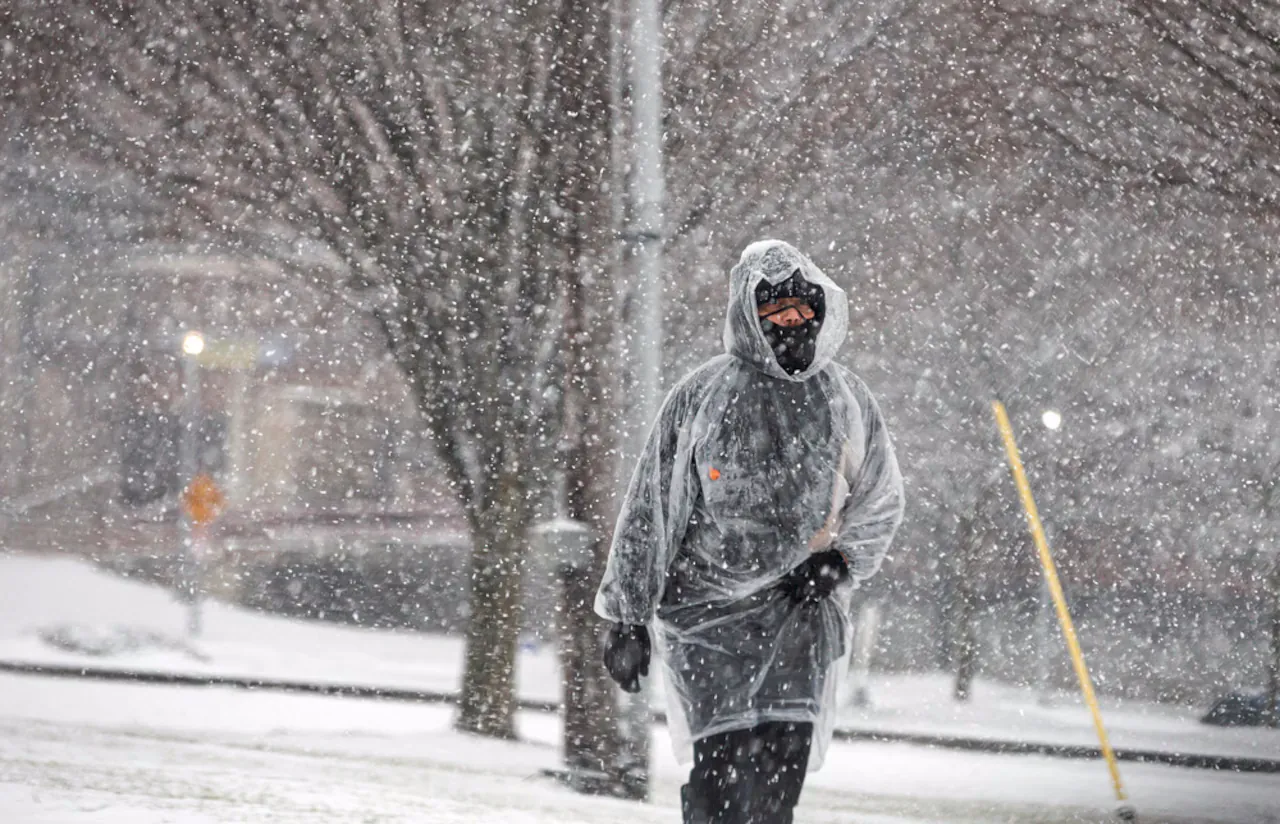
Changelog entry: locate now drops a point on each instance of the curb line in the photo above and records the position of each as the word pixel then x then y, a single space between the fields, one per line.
pixel 1228 763
pixel 1241 764
pixel 246 683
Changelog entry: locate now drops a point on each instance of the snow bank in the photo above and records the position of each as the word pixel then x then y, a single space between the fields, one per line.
pixel 40 595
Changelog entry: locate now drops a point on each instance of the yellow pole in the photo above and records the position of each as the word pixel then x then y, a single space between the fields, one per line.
pixel 1059 599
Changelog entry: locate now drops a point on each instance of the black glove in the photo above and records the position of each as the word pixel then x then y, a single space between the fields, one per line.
pixel 816 577
pixel 626 654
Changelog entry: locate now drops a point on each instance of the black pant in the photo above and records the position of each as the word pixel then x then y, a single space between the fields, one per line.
pixel 749 776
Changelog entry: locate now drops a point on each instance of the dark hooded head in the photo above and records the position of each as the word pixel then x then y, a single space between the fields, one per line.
pixel 791 314
pixel 785 316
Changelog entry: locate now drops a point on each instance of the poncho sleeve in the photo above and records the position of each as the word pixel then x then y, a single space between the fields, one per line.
pixel 651 521
pixel 874 507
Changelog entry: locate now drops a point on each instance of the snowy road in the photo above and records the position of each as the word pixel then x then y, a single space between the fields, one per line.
pixel 74 751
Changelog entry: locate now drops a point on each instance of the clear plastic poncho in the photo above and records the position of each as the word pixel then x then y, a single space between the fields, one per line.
pixel 746 471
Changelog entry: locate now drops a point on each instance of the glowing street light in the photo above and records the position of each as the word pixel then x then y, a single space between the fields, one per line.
pixel 193 343
pixel 192 346
pixel 1052 419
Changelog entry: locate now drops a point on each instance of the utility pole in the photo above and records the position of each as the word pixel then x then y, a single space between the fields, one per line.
pixel 642 345
pixel 188 468
pixel 28 350
pixel 1052 420
pixel 648 194
pixel 1272 710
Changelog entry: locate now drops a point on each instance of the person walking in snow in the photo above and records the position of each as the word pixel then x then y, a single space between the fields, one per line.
pixel 767 490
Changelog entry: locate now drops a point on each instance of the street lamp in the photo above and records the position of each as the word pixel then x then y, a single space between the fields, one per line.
pixel 193 343
pixel 192 346
pixel 1052 420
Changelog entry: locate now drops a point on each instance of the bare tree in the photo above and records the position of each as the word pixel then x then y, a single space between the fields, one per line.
pixel 420 147
pixel 768 104
pixel 588 431
pixel 1176 95
pixel 1179 93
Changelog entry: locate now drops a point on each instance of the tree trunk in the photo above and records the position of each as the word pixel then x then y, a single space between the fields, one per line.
pixel 591 746
pixel 488 683
pixel 592 742
pixel 965 644
pixel 966 647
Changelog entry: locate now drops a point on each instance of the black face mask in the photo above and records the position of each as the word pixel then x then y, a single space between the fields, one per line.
pixel 793 346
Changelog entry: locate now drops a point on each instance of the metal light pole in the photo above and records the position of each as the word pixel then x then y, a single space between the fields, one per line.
pixel 642 347
pixel 864 641
pixel 1052 420
pixel 1271 712
pixel 192 346
pixel 648 193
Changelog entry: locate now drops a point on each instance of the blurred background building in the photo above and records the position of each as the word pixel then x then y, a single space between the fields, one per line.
pixel 336 507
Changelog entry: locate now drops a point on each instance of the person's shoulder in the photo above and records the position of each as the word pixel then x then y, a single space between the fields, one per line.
pixel 858 389
pixel 856 384
pixel 696 381
pixel 707 371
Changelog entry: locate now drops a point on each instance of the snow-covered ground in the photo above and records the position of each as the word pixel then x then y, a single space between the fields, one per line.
pixel 43 593
pixel 39 594
pixel 922 705
pixel 85 751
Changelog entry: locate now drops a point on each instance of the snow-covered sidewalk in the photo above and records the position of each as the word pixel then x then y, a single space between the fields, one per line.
pixel 43 595
pixel 921 705
pixel 75 751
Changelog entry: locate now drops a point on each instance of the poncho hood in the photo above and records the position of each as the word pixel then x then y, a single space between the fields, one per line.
pixel 775 261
